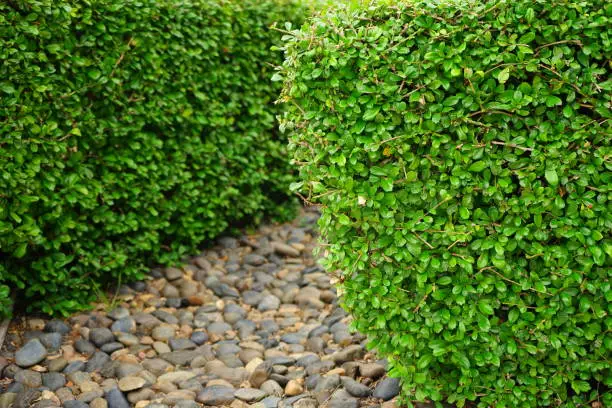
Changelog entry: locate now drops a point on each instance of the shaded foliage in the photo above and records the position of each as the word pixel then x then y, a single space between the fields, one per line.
pixel 131 131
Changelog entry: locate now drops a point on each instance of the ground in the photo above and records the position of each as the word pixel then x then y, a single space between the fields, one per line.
pixel 253 321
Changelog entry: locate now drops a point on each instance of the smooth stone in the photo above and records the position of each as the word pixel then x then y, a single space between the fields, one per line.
pixel 271 387
pixel 181 358
pixel 173 273
pixel 268 402
pixel 372 370
pixel 163 332
pixel 131 383
pixel 118 313
pixel 355 389
pixel 7 399
pixel 75 404
pixel 57 326
pixel 199 337
pixel 218 328
pixel 140 395
pixel 349 353
pixel 249 394
pixel 254 259
pixel 90 395
pixel 387 389
pixel 157 366
pixel 269 302
pixel 116 399
pixel 281 360
pixel 128 369
pixel 293 388
pixel 319 367
pixel 26 398
pixel 216 395
pixel 124 325
pixel 260 374
pixel 97 361
pixel 181 344
pixel 307 360
pixel 53 381
pixel 284 249
pixel 306 403
pixel 127 339
pixel 52 341
pixel 84 347
pixel 74 367
pixel 161 347
pixel 98 403
pixel 176 376
pixel 31 379
pixel 101 336
pixel 33 352
pixel 170 291
pixel 251 297
pixel 111 347
pixel 57 364
pixel 342 399
pixel 328 382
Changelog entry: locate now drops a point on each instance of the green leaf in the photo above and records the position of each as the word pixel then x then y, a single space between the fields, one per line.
pixel 483 323
pixel 344 220
pixel 553 101
pixel 485 307
pixel 477 167
pixel 424 361
pixel 551 177
pixel 386 184
pixel 94 74
pixel 371 113
pixel 503 75
pixel 445 280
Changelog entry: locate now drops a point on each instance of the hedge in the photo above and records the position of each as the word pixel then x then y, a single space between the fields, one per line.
pixel 131 131
pixel 461 153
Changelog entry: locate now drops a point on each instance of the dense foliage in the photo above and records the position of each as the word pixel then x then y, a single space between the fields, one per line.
pixel 461 152
pixel 130 131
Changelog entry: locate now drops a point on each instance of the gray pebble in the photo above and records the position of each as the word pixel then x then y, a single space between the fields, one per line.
pixel 387 389
pixel 33 352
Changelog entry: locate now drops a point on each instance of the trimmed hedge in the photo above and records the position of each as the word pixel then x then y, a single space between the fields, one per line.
pixel 462 155
pixel 131 131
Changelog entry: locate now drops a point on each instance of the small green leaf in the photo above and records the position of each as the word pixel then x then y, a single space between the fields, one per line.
pixel 445 280
pixel 424 361
pixel 477 167
pixel 343 219
pixel 371 113
pixel 386 184
pixel 553 101
pixel 485 307
pixel 503 75
pixel 551 177
pixel 94 74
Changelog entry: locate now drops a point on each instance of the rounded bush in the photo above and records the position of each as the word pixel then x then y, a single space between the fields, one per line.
pixel 131 131
pixel 461 153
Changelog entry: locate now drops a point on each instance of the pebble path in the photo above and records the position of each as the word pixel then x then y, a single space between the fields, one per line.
pixel 252 322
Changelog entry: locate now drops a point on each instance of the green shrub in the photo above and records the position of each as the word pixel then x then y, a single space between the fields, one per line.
pixel 131 131
pixel 462 155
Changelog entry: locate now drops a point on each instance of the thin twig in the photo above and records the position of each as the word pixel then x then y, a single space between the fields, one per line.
pixel 121 57
pixel 527 149
pixel 422 240
pixel 558 43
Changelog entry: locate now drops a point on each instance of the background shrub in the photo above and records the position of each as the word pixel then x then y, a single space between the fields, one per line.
pixel 462 156
pixel 131 131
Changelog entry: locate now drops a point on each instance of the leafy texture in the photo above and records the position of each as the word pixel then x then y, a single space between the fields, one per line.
pixel 131 131
pixel 461 153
